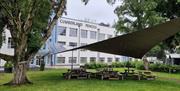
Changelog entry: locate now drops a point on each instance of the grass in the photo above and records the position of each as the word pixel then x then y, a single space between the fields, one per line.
pixel 51 80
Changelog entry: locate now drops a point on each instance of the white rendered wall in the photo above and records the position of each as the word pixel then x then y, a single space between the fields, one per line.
pixel 4 49
pixel 99 29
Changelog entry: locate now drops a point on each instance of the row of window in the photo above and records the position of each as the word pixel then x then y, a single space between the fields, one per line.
pixel 72 44
pixel 84 33
pixel 83 60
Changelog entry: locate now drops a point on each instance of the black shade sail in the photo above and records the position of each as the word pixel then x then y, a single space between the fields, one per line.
pixel 135 44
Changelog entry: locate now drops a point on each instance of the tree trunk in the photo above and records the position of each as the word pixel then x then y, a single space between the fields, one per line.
pixel 146 63
pixel 42 64
pixel 20 76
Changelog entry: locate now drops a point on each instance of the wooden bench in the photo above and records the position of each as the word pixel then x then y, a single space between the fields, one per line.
pixel 148 75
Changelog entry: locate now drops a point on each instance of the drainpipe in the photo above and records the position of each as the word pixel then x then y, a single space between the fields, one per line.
pixel 79 37
pixel 98 54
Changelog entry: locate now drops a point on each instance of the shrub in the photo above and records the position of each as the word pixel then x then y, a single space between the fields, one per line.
pixel 8 64
pixel 8 67
pixel 164 68
pixel 140 65
pixel 117 64
pixel 154 67
pixel 95 65
pixel 175 68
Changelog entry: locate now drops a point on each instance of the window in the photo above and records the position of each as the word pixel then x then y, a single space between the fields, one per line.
pixel 92 59
pixel 62 31
pixel 4 37
pixel 73 32
pixel 109 60
pixel 102 59
pixel 60 59
pixel 74 59
pixel 93 35
pixel 109 36
pixel 10 43
pixel 83 44
pixel 50 40
pixel 117 59
pixel 84 33
pixel 32 61
pixel 62 43
pixel 72 44
pixel 83 60
pixel 101 36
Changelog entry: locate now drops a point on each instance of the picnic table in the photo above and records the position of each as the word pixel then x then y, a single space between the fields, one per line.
pixel 77 73
pixel 108 73
pixel 131 74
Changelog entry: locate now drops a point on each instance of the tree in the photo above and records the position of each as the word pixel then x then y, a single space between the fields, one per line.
pixel 136 15
pixel 30 26
pixel 169 9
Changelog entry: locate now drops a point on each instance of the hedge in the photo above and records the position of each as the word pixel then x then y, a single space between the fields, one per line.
pixel 136 64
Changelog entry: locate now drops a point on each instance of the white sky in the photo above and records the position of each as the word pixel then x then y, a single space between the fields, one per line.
pixel 95 10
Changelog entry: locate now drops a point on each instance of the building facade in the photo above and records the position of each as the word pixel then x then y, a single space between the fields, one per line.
pixel 7 45
pixel 67 34
pixel 70 33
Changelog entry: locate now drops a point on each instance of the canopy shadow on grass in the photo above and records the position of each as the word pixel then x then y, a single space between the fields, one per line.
pixel 135 44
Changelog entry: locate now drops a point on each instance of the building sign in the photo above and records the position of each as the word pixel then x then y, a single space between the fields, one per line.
pixel 77 23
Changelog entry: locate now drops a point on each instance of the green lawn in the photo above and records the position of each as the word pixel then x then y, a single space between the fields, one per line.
pixel 51 80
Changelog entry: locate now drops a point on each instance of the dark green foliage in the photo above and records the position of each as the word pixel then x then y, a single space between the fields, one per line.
pixel 164 68
pixel 34 41
pixel 169 9
pixel 117 64
pixel 95 65
pixel 139 65
pixel 3 22
pixel 8 67
pixel 8 64
pixel 40 23
pixel 135 15
pixel 40 17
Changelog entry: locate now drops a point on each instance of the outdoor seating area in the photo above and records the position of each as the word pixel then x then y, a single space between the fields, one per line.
pixel 77 73
pixel 109 74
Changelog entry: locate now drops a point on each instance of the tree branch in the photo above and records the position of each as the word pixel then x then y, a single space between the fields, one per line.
pixel 6 57
pixel 28 22
pixel 59 12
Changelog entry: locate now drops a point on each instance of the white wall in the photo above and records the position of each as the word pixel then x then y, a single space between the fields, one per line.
pixel 4 49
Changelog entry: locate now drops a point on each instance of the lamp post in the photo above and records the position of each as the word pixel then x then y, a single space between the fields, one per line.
pixel 72 61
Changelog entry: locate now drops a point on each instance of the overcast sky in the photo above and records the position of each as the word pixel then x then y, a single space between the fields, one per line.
pixel 95 10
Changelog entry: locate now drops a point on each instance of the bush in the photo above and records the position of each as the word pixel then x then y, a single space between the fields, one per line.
pixel 175 68
pixel 164 68
pixel 154 67
pixel 117 64
pixel 95 65
pixel 8 67
pixel 139 65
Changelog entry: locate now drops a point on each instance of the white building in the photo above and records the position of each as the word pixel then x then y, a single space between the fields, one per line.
pixel 70 33
pixel 7 45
